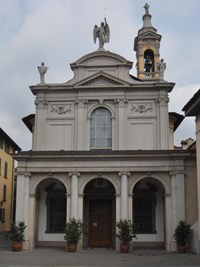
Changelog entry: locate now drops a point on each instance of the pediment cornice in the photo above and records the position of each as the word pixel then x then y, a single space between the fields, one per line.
pixel 101 79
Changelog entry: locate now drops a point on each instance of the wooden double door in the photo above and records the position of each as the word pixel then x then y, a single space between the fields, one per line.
pixel 100 223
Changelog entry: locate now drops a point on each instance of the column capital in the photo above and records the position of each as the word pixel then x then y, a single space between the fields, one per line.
pixel 27 174
pixel 172 173
pixel 124 173
pixel 74 173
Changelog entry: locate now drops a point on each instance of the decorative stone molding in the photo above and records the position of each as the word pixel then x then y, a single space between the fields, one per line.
pixel 121 102
pixel 41 103
pixel 81 103
pixel 174 173
pixel 61 109
pixel 74 173
pixel 27 174
pixel 141 108
pixel 162 100
pixel 101 102
pixel 124 173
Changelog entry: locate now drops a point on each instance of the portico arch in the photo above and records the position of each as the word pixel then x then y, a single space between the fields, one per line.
pixel 50 212
pixel 99 213
pixel 149 212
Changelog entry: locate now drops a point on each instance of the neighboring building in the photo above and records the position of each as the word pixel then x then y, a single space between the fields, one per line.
pixel 103 151
pixel 192 108
pixel 7 169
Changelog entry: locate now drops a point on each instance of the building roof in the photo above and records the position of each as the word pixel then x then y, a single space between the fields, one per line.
pixel 178 118
pixel 29 121
pixel 4 134
pixel 192 108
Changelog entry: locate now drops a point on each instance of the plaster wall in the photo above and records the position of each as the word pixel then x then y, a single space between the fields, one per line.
pixel 191 192
pixel 137 123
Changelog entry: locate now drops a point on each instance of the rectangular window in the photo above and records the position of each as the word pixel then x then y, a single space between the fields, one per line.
pixel 6 169
pixel 4 192
pixel 56 211
pixel 144 214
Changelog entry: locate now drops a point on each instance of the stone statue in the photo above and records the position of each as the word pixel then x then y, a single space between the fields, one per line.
pixel 42 70
pixel 102 33
pixel 161 69
pixel 146 7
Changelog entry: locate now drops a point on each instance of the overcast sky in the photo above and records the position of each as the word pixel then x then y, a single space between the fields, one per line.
pixel 59 32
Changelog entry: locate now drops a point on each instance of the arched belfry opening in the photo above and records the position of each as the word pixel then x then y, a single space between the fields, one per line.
pixel 99 214
pixel 148 212
pixel 149 63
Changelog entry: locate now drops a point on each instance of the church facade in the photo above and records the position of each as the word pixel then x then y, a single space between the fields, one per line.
pixel 103 151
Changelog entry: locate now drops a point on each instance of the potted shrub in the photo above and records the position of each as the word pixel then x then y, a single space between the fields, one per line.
pixel 125 234
pixel 17 235
pixel 73 231
pixel 181 236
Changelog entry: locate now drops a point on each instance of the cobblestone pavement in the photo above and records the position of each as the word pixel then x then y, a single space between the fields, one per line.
pixel 43 257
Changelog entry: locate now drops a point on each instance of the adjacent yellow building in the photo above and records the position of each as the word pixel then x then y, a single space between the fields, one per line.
pixel 7 168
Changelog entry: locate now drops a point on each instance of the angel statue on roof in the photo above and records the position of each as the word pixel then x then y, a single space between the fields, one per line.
pixel 102 33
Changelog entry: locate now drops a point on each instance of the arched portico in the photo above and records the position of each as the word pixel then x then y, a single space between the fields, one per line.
pixel 149 212
pixel 99 213
pixel 48 213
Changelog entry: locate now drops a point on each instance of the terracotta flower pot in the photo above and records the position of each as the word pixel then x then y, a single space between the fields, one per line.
pixel 72 247
pixel 124 247
pixel 17 246
pixel 182 248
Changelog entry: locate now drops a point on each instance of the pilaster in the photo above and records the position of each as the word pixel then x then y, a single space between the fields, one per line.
pixel 177 202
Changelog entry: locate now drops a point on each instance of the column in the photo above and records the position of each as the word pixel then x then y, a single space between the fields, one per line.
pixel 177 203
pixel 22 204
pixel 124 195
pixel 74 194
pixel 173 202
pixel 32 221
pixel 22 198
pixel 168 221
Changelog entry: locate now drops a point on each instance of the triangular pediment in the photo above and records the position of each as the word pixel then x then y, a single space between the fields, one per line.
pixel 149 34
pixel 101 79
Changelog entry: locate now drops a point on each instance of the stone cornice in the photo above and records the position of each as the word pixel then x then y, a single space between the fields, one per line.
pixel 102 153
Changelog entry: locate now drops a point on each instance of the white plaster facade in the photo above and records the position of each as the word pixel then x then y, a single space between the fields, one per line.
pixel 139 158
pixel 192 108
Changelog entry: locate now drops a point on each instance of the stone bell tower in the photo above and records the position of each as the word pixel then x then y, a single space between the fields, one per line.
pixel 147 45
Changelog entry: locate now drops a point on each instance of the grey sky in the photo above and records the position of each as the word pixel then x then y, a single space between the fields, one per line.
pixel 59 32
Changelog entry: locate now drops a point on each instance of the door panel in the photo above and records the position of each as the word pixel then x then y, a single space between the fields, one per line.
pixel 100 223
